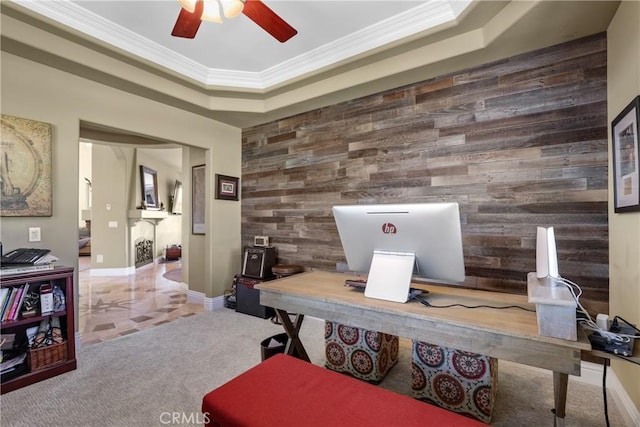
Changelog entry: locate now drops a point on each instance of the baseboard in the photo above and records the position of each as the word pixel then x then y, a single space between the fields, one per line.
pixel 209 304
pixel 121 271
pixel 215 303
pixel 195 297
pixel 100 272
pixel 78 340
pixel 591 373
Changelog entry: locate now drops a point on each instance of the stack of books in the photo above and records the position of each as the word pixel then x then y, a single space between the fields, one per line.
pixel 24 268
pixel 12 300
pixel 45 262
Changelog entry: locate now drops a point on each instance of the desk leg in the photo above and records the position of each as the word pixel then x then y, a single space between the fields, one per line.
pixel 292 330
pixel 560 382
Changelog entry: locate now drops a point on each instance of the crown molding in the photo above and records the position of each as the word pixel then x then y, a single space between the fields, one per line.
pixel 93 25
pixel 413 22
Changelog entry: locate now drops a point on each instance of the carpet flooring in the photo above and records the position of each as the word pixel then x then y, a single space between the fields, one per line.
pixel 158 376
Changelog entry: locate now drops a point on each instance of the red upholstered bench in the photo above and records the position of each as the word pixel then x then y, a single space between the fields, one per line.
pixel 284 391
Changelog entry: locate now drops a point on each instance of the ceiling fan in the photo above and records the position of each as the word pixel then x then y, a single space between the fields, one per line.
pixel 193 12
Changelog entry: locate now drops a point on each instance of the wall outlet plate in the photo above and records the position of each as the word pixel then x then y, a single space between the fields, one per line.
pixel 34 234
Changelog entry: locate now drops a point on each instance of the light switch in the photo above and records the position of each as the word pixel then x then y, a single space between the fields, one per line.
pixel 34 234
pixel 113 224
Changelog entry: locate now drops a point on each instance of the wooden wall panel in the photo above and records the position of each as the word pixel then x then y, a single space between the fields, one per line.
pixel 518 143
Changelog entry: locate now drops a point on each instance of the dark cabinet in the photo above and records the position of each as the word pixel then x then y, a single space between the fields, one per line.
pixel 48 360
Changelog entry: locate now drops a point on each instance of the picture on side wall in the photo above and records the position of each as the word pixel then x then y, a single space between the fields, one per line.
pixel 198 198
pixel 624 129
pixel 226 187
pixel 25 167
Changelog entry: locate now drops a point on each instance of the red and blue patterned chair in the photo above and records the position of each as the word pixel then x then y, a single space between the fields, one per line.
pixel 366 355
pixel 459 381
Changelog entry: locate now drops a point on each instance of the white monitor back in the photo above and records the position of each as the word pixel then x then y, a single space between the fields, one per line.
pixel 430 232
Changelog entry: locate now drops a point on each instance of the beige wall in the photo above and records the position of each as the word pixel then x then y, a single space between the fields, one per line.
pixel 624 229
pixel 84 195
pixel 34 91
pixel 169 230
pixel 110 167
pixel 195 248
pixel 117 184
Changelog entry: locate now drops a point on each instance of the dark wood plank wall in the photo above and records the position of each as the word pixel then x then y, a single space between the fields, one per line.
pixel 518 143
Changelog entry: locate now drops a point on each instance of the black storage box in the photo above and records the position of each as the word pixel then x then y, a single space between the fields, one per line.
pixel 248 298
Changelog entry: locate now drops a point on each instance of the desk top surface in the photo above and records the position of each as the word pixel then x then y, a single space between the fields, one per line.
pixel 328 287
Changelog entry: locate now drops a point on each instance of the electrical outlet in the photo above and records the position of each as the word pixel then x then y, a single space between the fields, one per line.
pixel 113 224
pixel 34 234
pixel 99 258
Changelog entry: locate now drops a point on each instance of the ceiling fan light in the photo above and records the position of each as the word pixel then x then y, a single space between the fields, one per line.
pixel 188 5
pixel 211 11
pixel 232 8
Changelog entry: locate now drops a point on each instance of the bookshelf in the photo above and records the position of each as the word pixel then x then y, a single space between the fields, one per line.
pixel 61 277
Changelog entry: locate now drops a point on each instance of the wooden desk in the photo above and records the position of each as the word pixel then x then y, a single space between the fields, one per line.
pixel 505 334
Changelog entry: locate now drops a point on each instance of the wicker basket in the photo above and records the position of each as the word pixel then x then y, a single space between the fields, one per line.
pixel 44 357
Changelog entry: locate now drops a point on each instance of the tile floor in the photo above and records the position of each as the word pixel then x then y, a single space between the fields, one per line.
pixel 113 306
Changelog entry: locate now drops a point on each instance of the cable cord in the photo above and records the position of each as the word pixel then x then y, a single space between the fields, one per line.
pixel 588 323
pixel 615 320
pixel 428 304
pixel 604 391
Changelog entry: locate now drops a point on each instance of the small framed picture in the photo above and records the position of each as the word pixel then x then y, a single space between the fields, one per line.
pixel 624 129
pixel 226 187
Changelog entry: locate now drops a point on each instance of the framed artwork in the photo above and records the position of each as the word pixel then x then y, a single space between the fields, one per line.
pixel 198 199
pixel 25 167
pixel 149 186
pixel 624 129
pixel 226 187
pixel 176 198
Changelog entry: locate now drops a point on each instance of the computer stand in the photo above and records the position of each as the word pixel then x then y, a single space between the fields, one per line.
pixel 390 275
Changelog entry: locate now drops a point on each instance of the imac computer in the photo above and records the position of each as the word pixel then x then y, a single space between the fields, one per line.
pixel 396 243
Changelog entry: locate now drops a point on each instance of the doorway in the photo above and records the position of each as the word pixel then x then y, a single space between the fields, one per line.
pixel 138 298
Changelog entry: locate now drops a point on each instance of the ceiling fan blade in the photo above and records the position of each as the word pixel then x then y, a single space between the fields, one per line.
pixel 188 22
pixel 260 13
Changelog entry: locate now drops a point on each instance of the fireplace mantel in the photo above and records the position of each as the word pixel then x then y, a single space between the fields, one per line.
pixel 148 215
pixel 143 237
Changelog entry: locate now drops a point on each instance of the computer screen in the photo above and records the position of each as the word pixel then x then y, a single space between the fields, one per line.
pixel 428 232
